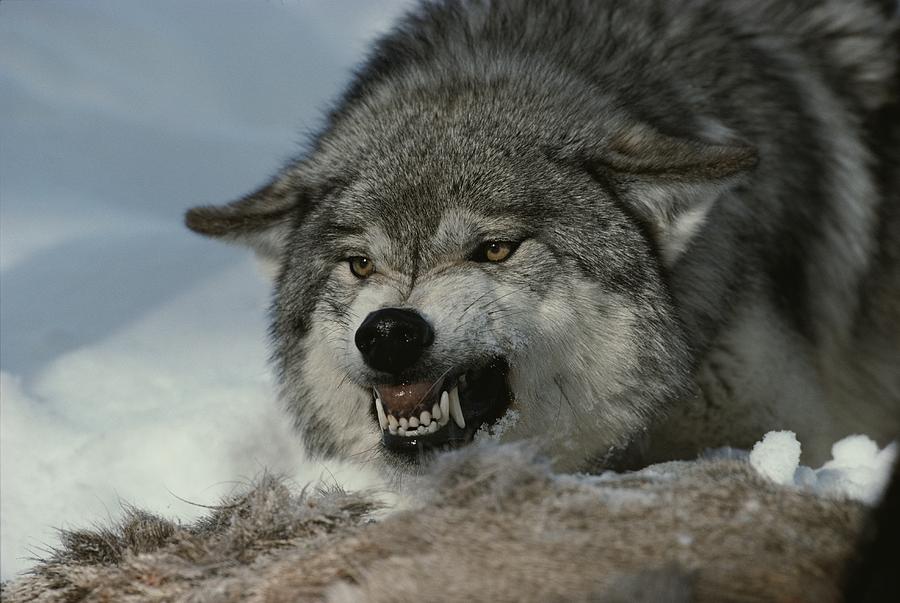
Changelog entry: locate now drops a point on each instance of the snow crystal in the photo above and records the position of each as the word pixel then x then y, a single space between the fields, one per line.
pixel 858 469
pixel 495 432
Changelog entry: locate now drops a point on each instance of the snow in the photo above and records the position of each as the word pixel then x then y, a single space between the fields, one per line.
pixel 777 456
pixel 172 406
pixel 495 432
pixel 859 470
pixel 133 354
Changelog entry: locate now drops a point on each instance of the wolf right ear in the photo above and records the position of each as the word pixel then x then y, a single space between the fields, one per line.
pixel 260 220
pixel 669 183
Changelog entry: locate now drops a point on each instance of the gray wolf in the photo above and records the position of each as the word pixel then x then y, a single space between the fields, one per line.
pixel 626 230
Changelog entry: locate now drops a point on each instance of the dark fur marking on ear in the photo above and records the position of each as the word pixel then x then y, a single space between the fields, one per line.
pixel 262 209
pixel 642 152
pixel 221 221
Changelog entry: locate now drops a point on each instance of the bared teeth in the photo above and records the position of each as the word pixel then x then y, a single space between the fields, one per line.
pixel 382 419
pixel 428 422
pixel 445 408
pixel 456 409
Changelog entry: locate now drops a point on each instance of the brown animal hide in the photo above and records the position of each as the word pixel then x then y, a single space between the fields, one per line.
pixel 487 524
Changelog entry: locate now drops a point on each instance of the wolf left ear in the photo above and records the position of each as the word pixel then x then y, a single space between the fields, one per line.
pixel 260 220
pixel 669 183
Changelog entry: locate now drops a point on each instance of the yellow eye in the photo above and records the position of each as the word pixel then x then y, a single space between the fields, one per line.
pixel 495 251
pixel 361 267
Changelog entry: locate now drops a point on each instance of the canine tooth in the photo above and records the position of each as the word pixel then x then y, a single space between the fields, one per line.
pixel 456 409
pixel 433 427
pixel 404 423
pixel 382 419
pixel 445 405
pixel 393 422
pixel 425 418
pixel 436 411
pixel 413 422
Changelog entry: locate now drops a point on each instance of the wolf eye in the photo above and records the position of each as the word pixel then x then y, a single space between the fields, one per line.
pixel 361 267
pixel 494 251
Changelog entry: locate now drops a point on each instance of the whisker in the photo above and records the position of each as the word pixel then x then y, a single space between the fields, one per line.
pixel 569 402
pixel 475 301
pixel 428 391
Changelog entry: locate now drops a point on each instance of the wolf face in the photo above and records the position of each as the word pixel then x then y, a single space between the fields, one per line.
pixel 444 263
pixel 551 220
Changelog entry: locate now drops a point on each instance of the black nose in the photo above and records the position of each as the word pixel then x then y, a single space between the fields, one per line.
pixel 393 339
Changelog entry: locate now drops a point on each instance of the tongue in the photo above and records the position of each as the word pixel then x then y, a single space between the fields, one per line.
pixel 403 399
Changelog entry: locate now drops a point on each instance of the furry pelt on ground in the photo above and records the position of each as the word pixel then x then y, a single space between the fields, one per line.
pixel 489 524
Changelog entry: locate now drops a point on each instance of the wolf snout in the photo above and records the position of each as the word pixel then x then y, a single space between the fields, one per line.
pixel 393 339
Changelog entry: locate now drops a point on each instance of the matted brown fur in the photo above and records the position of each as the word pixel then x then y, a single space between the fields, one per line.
pixel 489 524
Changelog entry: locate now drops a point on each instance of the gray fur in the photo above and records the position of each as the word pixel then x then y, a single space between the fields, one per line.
pixel 706 197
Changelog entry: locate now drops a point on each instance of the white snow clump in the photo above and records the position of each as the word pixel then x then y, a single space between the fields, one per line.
pixel 858 469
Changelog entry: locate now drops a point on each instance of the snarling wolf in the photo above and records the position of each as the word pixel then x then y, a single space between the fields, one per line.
pixel 606 226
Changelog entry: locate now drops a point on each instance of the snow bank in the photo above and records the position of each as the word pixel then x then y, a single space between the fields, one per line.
pixel 858 469
pixel 133 352
pixel 177 405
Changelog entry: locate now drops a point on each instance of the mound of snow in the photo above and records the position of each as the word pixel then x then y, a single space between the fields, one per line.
pixel 777 456
pixel 858 469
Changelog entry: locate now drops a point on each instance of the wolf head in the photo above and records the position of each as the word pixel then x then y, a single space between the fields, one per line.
pixel 455 260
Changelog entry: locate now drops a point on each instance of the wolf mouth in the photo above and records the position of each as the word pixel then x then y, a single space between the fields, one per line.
pixel 444 414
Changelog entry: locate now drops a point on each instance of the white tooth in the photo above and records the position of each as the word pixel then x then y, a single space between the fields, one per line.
pixel 444 420
pixel 401 431
pixel 445 405
pixel 436 411
pixel 393 422
pixel 381 418
pixel 404 423
pixel 456 409
pixel 433 427
pixel 392 430
pixel 422 430
pixel 425 418
pixel 413 422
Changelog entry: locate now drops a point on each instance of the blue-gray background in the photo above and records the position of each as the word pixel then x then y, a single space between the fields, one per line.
pixel 121 334
pixel 130 111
